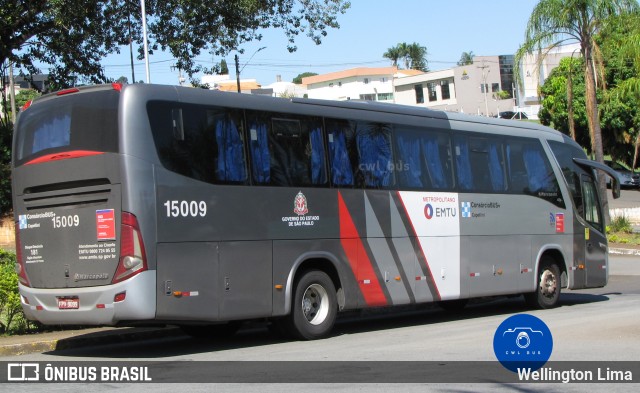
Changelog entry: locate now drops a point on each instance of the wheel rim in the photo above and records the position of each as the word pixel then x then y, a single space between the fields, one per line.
pixel 548 284
pixel 315 304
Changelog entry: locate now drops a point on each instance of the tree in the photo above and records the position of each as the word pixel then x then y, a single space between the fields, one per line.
pixel 555 22
pixel 224 68
pixel 298 79
pixel 71 37
pixel 466 58
pixel 414 56
pixel 554 111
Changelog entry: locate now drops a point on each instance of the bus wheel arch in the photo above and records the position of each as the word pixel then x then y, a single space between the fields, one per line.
pixel 550 278
pixel 316 295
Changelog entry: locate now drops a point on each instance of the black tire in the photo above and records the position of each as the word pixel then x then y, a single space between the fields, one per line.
pixel 212 332
pixel 314 307
pixel 453 305
pixel 547 291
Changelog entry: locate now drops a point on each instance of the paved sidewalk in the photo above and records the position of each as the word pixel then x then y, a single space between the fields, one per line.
pixel 70 339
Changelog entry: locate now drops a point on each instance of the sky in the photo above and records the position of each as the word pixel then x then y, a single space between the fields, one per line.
pixel 370 27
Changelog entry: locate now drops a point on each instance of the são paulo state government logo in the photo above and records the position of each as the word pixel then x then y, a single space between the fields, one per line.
pixel 300 204
pixel 522 341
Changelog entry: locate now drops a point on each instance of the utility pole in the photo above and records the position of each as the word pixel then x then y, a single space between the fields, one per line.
pixel 145 40
pixel 485 87
pixel 12 93
pixel 238 72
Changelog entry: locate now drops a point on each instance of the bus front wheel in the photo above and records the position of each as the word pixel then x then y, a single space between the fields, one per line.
pixel 314 306
pixel 548 289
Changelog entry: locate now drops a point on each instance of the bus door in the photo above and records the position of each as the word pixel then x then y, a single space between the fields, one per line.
pixel 594 238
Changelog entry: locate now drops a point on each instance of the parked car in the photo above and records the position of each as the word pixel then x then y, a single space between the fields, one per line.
pixel 628 179
pixel 512 115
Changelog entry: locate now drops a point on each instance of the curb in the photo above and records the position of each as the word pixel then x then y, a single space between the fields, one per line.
pixel 624 251
pixel 68 341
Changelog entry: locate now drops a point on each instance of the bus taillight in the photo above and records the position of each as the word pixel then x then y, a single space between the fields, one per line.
pixel 133 259
pixel 20 269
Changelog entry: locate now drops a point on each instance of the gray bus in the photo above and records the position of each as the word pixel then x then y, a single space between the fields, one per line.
pixel 148 204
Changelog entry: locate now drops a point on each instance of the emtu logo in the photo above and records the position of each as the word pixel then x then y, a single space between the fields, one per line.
pixel 428 211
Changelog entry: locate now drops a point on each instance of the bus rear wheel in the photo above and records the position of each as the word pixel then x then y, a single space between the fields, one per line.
pixel 314 307
pixel 547 291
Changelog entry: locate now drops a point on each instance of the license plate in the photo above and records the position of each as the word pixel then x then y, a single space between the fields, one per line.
pixel 68 303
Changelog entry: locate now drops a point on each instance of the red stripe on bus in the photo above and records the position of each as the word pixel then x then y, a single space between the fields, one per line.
pixel 64 156
pixel 424 255
pixel 358 259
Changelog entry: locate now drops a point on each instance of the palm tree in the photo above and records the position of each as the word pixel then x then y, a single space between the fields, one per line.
pixel 466 58
pixel 394 54
pixel 414 56
pixel 556 22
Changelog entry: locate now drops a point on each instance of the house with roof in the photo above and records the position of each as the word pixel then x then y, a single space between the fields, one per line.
pixel 363 83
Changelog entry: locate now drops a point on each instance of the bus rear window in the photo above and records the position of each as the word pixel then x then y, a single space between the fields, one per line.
pixel 83 121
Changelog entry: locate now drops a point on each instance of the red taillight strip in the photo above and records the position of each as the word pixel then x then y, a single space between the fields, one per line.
pixel 64 156
pixel 67 91
pixel 117 86
pixel 26 105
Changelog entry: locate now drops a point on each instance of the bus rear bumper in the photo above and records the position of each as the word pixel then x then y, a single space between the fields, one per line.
pixel 96 305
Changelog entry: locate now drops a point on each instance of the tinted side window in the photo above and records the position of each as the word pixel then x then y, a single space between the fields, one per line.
pixel 286 150
pixel 375 154
pixel 480 165
pixel 565 153
pixel 530 172
pixel 204 143
pixel 342 152
pixel 423 159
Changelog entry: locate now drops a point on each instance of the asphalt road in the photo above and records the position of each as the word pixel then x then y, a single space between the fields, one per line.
pixel 594 325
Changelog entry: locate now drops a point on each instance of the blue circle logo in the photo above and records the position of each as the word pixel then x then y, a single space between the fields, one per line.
pixel 522 341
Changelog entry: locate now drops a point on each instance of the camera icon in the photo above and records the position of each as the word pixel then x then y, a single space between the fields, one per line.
pixel 522 335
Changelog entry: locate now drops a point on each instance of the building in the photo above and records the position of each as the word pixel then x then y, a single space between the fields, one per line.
pixel 535 70
pixel 284 89
pixel 225 83
pixel 485 87
pixel 364 83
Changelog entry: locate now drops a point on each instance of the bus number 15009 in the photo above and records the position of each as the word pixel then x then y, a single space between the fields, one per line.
pixel 186 208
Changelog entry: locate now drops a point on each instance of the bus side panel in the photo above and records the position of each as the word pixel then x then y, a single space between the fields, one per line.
pixel 188 281
pixel 244 279
pixel 494 265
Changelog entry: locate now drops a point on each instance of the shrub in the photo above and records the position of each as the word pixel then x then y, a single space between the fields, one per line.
pixel 620 224
pixel 10 308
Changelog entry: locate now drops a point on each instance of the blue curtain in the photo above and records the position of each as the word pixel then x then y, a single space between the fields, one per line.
pixel 341 172
pixel 410 175
pixel 434 164
pixel 259 145
pixel 463 165
pixel 536 168
pixel 230 165
pixel 375 158
pixel 55 133
pixel 318 175
pixel 495 169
